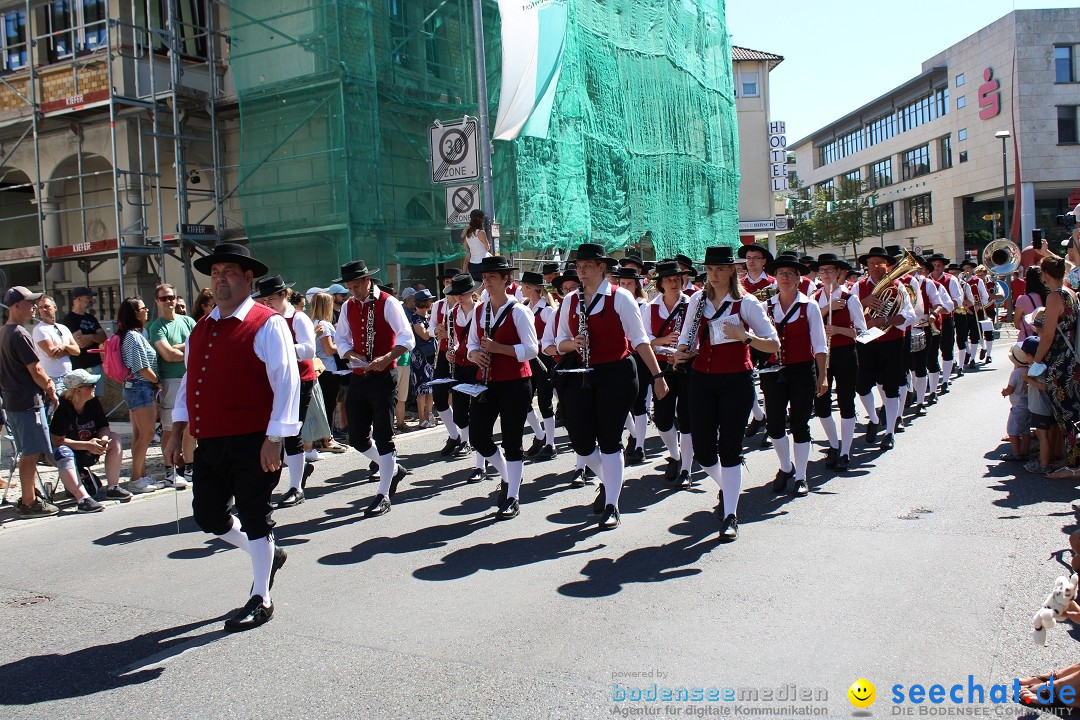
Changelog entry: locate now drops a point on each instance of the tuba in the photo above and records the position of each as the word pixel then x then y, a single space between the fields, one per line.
pixel 1001 258
pixel 884 290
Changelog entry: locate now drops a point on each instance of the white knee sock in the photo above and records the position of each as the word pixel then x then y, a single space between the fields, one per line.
pixel 629 425
pixel 756 409
pixel 972 348
pixel 593 461
pixel 514 471
pixel 580 461
pixel 780 446
pixel 479 460
pixel 892 411
pixel 920 389
pixel 640 430
pixel 802 457
pixel 731 484
pixel 295 463
pixel 464 433
pixel 962 357
pixel 902 398
pixel 612 463
pixel 534 423
pixel 716 473
pixel 372 453
pixel 829 426
pixel 946 371
pixel 549 431
pixel 498 463
pixel 880 395
pixel 447 416
pixel 868 405
pixel 387 468
pixel 671 442
pixel 686 442
pixel 262 561
pixel 847 434
pixel 935 380
pixel 236 536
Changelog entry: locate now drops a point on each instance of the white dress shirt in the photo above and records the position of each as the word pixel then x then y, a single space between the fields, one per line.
pixel 751 312
pixel 646 314
pixel 918 284
pixel 436 309
pixel 526 347
pixel 274 346
pixel 813 319
pixel 854 306
pixel 625 305
pixel 984 297
pixel 952 288
pixel 395 317
pixel 547 316
pixel 54 334
pixel 304 331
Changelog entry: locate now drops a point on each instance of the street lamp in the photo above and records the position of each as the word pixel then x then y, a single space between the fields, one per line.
pixel 1004 135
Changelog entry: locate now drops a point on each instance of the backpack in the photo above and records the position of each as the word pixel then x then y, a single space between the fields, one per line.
pixel 113 361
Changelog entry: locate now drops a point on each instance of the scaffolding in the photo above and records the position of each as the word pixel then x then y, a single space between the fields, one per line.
pixel 129 84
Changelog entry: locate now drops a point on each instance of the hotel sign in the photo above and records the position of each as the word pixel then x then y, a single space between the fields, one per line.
pixel 778 156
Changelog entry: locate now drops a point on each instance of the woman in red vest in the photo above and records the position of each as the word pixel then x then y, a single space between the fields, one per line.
pixel 273 293
pixel 796 373
pixel 438 328
pixel 664 319
pixel 727 322
pixel 599 324
pixel 630 281
pixel 502 341
pixel 461 296
pixel 542 306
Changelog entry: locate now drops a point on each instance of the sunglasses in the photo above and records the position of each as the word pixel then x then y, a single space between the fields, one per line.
pixel 167 298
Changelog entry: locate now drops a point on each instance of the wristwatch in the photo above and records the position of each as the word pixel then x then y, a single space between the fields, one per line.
pixel 274 438
pixel 748 339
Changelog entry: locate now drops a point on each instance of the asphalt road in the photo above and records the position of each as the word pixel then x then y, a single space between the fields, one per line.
pixel 921 565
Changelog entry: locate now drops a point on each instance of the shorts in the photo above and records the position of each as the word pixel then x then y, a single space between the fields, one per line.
pixel 138 394
pixel 30 430
pixel 64 458
pixel 167 400
pixel 1019 422
pixel 1042 422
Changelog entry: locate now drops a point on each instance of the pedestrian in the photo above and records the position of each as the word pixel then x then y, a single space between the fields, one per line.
pixel 439 327
pixel 373 333
pixel 953 322
pixel 475 241
pixel 422 360
pixel 204 303
pixel 168 333
pixel 181 306
pixel 241 396
pixel 322 311
pixel 140 387
pixel 1033 298
pixel 1018 426
pixel 27 390
pixel 636 421
pixel 88 333
pixel 53 343
pixel 462 294
pixel 542 307
pixel 762 286
pixel 1042 412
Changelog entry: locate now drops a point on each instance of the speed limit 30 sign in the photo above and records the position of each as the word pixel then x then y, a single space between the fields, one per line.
pixel 454 156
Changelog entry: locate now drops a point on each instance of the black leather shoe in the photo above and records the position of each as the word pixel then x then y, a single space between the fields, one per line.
pixel 504 488
pixel 536 447
pixel 599 502
pixel 462 449
pixel 251 616
pixel 944 389
pixel 508 510
pixel 610 519
pixel 577 478
pixel 843 462
pixel 830 457
pixel 290 498
pixel 872 430
pixel 931 398
pixel 635 456
pixel 399 473
pixel 477 476
pixel 766 442
pixel 308 469
pixel 684 479
pixel 780 481
pixel 589 475
pixel 887 442
pixel 379 506
pixel 373 469
pixel 671 470
pixel 959 371
pixel 920 410
pixel 450 447
pixel 800 488
pixel 753 426
pixel 280 556
pixel 729 529
pixel 546 453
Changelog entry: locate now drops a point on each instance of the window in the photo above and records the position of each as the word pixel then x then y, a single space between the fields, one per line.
pixel 963 156
pixel 945 151
pixel 961 102
pixel 916 162
pixel 192 18
pixel 1063 64
pixel 884 220
pixel 881 174
pixel 961 134
pixel 854 176
pixel 918 211
pixel 825 187
pixel 14 40
pixel 1067 132
pixel 748 84
pixel 399 33
pixel 959 79
pixel 76 27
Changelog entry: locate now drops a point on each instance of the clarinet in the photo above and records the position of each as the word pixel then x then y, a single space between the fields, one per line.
pixel 676 328
pixel 583 330
pixel 695 328
pixel 486 374
pixel 451 338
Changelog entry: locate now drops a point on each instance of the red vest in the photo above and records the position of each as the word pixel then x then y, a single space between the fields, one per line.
pixel 795 345
pixel 503 367
pixel 806 285
pixel 306 367
pixel 657 323
pixel 840 318
pixel 762 282
pixel 732 357
pixel 461 346
pixel 228 392
pixel 440 321
pixel 357 315
pixel 943 288
pixel 541 327
pixel 607 340
pixel 974 283
pixel 865 286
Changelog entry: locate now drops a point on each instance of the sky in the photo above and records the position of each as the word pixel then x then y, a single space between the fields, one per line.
pixel 841 54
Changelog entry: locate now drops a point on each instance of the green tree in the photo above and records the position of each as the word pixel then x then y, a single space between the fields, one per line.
pixel 848 215
pixel 802 207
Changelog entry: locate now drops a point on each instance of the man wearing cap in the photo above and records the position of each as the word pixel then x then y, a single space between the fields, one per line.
pixel 87 332
pixel 53 343
pixel 168 334
pixel 273 292
pixel 24 384
pixel 239 398
pixel 949 320
pixel 881 360
pixel 762 286
pixel 373 333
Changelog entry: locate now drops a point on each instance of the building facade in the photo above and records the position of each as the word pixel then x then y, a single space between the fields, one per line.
pixel 942 154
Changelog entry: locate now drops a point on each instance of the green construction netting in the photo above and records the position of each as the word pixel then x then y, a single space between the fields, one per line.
pixel 336 97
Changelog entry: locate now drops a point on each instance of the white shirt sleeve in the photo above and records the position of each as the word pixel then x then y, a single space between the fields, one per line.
pixel 931 293
pixel 855 312
pixel 952 285
pixel 754 314
pixel 527 346
pixel 343 333
pixel 394 314
pixel 906 310
pixel 440 305
pixel 817 328
pixel 473 343
pixel 562 331
pixel 274 346
pixel 179 411
pixel 984 297
pixel 691 312
pixel 646 320
pixel 305 337
pixel 38 335
pixel 630 314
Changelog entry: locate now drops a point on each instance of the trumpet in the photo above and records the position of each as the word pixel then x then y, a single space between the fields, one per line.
pixel 766 293
pixel 884 290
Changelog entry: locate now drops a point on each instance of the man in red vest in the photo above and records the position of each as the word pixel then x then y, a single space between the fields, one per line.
pixel 239 399
pixel 372 333
pixel 273 293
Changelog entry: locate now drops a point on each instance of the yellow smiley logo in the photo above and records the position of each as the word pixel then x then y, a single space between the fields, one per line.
pixel 862 693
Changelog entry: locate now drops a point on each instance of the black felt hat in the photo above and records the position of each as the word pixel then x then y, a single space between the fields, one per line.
pixel 592 251
pixel 787 260
pixel 450 273
pixel 629 273
pixel 721 255
pixel 549 267
pixel 894 250
pixel 968 261
pixel 570 274
pixel 271 285
pixel 633 260
pixel 684 260
pixel 669 268
pixel 496 263
pixel 461 284
pixel 938 257
pixel 827 259
pixel 355 270
pixel 876 252
pixel 755 246
pixel 230 253
pixel 533 278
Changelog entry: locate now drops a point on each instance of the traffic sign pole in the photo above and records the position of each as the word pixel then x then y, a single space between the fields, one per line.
pixel 482 99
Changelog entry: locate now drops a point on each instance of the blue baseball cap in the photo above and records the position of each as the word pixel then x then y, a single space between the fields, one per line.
pixel 337 289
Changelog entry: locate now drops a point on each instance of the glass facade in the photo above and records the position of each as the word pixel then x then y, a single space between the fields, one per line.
pixel 1067 132
pixel 14 40
pixel 945 151
pixel 918 211
pixel 916 162
pixel 1063 64
pixel 907 117
pixel 881 174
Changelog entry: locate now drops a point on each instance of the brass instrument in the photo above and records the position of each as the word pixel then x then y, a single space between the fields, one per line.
pixel 766 293
pixel 1001 258
pixel 884 290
